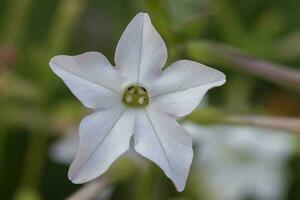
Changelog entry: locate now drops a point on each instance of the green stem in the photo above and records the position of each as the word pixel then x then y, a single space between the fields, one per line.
pixel 63 23
pixel 34 159
pixel 34 164
pixel 145 184
pixel 15 20
pixel 3 141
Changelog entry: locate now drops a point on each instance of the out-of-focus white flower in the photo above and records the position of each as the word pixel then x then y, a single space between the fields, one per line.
pixel 136 97
pixel 240 161
pixel 63 150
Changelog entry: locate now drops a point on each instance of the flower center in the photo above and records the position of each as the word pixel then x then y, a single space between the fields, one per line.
pixel 135 96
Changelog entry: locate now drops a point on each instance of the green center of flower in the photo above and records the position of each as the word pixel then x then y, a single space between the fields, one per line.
pixel 135 96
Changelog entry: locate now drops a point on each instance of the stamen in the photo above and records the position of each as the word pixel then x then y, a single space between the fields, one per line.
pixel 141 91
pixel 128 98
pixel 142 100
pixel 131 90
pixel 144 89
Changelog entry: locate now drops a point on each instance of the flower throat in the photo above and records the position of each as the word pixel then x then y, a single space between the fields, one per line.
pixel 135 96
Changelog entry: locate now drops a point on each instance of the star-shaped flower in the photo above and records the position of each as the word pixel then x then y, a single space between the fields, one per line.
pixel 135 98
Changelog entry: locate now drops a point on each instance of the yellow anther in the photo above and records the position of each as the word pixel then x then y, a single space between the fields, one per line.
pixel 128 98
pixel 131 90
pixel 142 100
pixel 141 91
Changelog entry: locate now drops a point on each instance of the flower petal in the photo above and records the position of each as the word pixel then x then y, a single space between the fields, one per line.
pixel 181 87
pixel 141 52
pixel 161 139
pixel 90 77
pixel 104 136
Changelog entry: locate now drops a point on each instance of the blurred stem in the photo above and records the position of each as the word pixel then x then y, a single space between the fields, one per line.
pixel 34 158
pixel 210 116
pixel 3 140
pixel 67 14
pixel 15 20
pixel 282 123
pixel 214 53
pixel 195 187
pixel 34 162
pixel 145 184
pixel 64 20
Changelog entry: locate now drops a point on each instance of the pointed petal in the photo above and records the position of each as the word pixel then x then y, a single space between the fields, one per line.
pixel 104 136
pixel 181 87
pixel 161 139
pixel 141 52
pixel 90 77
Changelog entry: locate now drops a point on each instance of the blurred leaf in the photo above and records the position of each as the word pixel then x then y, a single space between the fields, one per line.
pixel 14 87
pixel 288 47
pixel 228 22
pixel 159 13
pixel 192 27
pixel 268 25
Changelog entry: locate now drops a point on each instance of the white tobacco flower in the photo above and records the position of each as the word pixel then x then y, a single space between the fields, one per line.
pixel 241 161
pixel 135 98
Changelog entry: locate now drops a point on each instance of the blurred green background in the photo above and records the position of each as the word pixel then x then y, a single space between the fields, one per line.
pixel 255 43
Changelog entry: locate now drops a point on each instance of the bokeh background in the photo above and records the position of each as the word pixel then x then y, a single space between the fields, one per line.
pixel 245 133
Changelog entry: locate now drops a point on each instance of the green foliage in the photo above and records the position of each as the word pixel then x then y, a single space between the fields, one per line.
pixel 36 108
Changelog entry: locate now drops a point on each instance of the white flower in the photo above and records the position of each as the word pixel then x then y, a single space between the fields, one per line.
pixel 135 98
pixel 240 161
pixel 64 149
